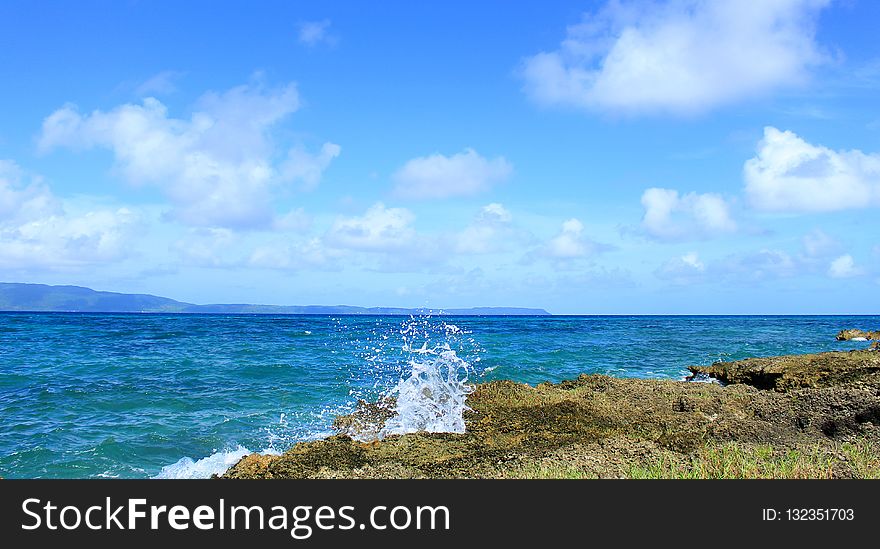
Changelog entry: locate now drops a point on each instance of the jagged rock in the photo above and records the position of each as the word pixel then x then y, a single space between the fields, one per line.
pixel 367 420
pixel 857 335
pixel 783 373
pixel 606 426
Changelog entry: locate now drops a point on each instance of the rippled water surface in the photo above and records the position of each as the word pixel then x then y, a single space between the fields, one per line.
pixel 90 395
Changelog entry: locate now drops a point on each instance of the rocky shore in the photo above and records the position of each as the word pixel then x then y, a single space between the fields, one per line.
pixel 790 416
pixel 857 335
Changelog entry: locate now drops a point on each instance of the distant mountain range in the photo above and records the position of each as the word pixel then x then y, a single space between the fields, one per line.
pixel 43 298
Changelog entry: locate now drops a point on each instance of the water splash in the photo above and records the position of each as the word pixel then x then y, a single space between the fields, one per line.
pixel 418 374
pixel 215 464
pixel 433 397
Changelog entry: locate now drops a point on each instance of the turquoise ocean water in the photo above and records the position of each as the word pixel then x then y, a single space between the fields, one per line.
pixel 127 395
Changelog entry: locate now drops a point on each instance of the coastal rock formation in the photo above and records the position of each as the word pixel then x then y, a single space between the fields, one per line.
pixel 599 426
pixel 857 335
pixel 783 373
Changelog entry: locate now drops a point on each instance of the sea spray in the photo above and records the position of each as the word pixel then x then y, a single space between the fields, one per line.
pixel 417 378
pixel 215 464
pixel 432 398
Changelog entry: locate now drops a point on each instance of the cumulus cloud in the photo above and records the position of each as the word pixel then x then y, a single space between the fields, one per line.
pixel 38 232
pixel 385 239
pixel 570 242
pixel 24 197
pixel 817 257
pixel 790 175
pixel 379 229
pixel 216 167
pixel 687 269
pixel 438 176
pixel 490 231
pixel 671 216
pixel 567 246
pixel 678 56
pixel 312 33
pixel 844 267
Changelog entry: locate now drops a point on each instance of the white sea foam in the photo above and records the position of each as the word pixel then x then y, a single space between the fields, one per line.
pixel 215 464
pixel 859 339
pixel 432 398
pixel 420 368
pixel 701 378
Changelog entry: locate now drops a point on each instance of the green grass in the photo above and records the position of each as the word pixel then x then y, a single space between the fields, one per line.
pixel 546 471
pixel 734 461
pixel 860 459
pixel 864 458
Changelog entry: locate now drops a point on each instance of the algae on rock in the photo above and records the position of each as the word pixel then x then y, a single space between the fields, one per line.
pixel 612 427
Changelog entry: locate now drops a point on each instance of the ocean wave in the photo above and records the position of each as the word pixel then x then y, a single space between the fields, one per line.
pixel 215 464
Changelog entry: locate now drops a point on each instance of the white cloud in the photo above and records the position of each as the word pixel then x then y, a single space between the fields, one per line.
pixel 309 254
pixel 818 244
pixel 162 83
pixel 23 201
pixel 379 229
pixel 692 260
pixel 755 267
pixel 844 267
pixel 671 216
pixel 438 176
pixel 495 213
pixel 570 242
pixel 38 232
pixel 215 167
pixel 69 241
pixel 687 269
pixel 295 220
pixel 207 247
pixel 679 56
pixel 738 268
pixel 816 258
pixel 301 165
pixel 489 232
pixel 567 246
pixel 789 174
pixel 312 33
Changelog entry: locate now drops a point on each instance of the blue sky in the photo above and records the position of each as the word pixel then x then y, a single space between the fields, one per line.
pixel 597 157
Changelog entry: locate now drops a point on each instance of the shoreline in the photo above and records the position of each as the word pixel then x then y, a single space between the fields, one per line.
pixel 794 416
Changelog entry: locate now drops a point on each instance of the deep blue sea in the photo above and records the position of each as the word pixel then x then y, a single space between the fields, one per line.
pixel 128 395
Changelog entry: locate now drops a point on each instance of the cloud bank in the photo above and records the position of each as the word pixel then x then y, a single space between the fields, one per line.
pixel 439 176
pixel 678 56
pixel 789 174
pixel 216 167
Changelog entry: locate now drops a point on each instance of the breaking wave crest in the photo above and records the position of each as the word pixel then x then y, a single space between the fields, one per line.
pixel 215 464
